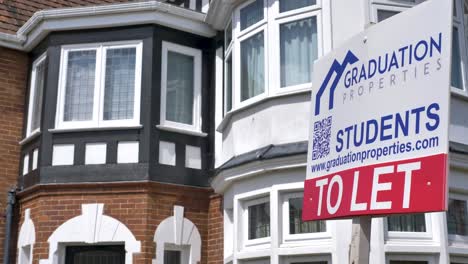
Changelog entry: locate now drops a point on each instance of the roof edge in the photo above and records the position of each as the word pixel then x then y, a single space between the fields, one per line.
pixel 45 21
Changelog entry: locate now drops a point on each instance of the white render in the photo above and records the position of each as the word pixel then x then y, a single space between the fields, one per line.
pixel 91 227
pixel 193 157
pixel 167 153
pixel 95 153
pixel 127 152
pixel 63 154
pixel 281 118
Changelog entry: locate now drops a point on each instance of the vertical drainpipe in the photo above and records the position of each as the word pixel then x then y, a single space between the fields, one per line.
pixel 8 224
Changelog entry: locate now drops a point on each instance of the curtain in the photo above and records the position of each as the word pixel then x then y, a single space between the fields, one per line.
pixel 79 87
pixel 457 218
pixel 180 88
pixel 251 14
pixel 38 93
pixel 119 85
pixel 298 51
pixel 296 225
pixel 456 78
pixel 259 220
pixel 252 66
pixel 407 223
pixel 287 5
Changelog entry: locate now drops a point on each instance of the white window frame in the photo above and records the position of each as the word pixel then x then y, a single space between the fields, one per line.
pixel 270 24
pixel 429 258
pixel 287 236
pixel 197 55
pixel 395 235
pixel 305 259
pixel 455 237
pixel 32 95
pixel 99 86
pixel 237 61
pixel 245 219
pixel 459 23
pixel 275 49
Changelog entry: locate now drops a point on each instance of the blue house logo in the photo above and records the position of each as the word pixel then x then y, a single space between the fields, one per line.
pixel 337 68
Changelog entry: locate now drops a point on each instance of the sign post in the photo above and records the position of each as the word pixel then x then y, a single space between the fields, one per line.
pixel 378 141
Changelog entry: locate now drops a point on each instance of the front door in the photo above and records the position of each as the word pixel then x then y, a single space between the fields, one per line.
pixel 95 255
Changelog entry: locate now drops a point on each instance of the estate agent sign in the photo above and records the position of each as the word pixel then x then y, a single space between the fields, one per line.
pixel 380 114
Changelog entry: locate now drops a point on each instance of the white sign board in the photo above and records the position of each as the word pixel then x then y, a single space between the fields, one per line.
pixel 379 120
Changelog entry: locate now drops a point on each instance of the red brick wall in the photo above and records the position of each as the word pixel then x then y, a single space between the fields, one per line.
pixel 141 207
pixel 13 76
pixel 215 230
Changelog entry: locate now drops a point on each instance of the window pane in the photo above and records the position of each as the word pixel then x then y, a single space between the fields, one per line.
pixel 252 67
pixel 171 257
pixel 228 84
pixel 228 33
pixel 315 262
pixel 298 48
pixel 79 87
pixel 287 5
pixel 259 220
pixel 384 14
pixel 456 61
pixel 251 14
pixel 407 223
pixel 296 226
pixel 119 88
pixel 38 93
pixel 180 88
pixel 457 219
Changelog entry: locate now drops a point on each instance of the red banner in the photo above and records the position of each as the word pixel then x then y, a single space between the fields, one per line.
pixel 405 186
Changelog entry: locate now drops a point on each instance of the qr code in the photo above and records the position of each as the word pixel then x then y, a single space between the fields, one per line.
pixel 321 141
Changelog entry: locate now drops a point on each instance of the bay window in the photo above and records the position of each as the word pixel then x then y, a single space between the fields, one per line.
pixel 36 92
pixel 99 85
pixel 273 49
pixel 181 87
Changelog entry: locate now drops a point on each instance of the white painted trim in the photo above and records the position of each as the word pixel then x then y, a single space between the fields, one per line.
pixel 225 178
pixel 287 236
pixel 197 100
pixel 137 13
pixel 84 129
pixel 99 86
pixel 246 241
pixel 177 231
pixel 32 94
pixel 91 227
pixel 27 236
pixel 397 237
pixel 181 130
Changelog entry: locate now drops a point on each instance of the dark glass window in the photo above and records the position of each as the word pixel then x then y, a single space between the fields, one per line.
pixel 95 255
pixel 172 257
pixel 296 225
pixel 407 223
pixel 457 218
pixel 259 220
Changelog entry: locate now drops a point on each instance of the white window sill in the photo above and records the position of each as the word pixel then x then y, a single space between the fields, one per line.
pixel 85 129
pixel 227 117
pixel 300 238
pixel 29 138
pixel 182 131
pixel 399 236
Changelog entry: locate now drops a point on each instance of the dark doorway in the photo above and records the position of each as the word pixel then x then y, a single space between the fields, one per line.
pixel 95 255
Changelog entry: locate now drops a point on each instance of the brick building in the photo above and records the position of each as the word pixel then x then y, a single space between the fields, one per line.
pixel 107 135
pixel 175 132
